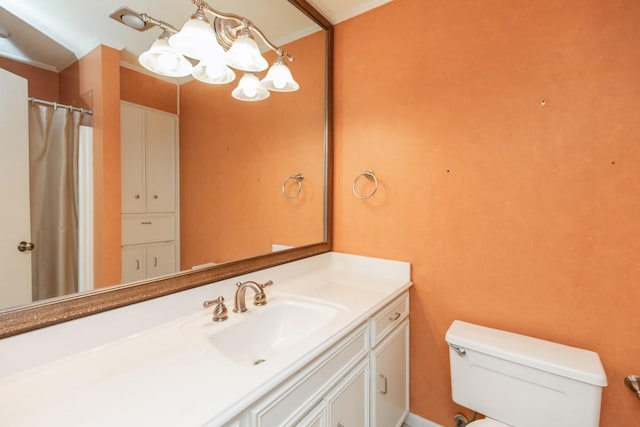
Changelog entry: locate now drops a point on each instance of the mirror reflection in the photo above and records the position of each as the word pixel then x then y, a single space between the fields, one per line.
pixel 170 174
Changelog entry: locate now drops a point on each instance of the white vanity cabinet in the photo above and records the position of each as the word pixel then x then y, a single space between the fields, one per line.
pixel 363 380
pixel 337 322
pixel 316 418
pixel 315 383
pixel 149 190
pixel 348 402
pixel 389 361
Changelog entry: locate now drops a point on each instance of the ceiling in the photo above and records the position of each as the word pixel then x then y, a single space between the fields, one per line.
pixel 52 34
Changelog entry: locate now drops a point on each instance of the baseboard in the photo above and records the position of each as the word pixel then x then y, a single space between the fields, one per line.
pixel 416 421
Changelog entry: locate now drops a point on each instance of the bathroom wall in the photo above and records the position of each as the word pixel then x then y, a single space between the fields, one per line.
pixel 43 84
pixel 234 157
pixel 94 82
pixel 142 89
pixel 505 137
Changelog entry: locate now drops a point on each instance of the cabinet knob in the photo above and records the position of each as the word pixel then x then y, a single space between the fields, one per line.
pixel 137 196
pixel 25 247
pixel 155 196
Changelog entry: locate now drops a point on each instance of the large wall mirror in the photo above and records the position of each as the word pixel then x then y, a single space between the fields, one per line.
pixel 253 179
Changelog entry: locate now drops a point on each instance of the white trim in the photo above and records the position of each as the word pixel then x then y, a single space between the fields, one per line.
pixel 85 209
pixel 25 60
pixel 414 420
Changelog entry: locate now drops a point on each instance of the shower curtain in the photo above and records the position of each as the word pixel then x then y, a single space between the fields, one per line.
pixel 53 167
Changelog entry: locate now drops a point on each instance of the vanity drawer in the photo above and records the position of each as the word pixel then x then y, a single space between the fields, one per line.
pixel 147 228
pixel 306 388
pixel 387 319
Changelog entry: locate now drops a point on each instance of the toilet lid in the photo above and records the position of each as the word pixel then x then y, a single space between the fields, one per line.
pixel 487 422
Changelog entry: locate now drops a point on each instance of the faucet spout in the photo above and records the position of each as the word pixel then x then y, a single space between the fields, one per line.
pixel 260 298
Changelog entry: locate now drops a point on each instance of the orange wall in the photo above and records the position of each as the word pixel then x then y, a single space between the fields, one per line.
pixel 234 157
pixel 43 84
pixel 513 215
pixel 94 82
pixel 141 89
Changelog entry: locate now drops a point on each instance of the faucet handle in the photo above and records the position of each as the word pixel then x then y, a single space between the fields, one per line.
pixel 219 311
pixel 260 298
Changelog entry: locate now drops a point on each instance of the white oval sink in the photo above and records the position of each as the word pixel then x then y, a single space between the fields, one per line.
pixel 263 332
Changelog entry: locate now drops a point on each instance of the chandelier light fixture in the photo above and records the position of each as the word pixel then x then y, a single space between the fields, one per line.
pixel 215 48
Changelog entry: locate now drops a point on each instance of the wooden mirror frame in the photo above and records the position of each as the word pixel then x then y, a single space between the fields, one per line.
pixel 57 310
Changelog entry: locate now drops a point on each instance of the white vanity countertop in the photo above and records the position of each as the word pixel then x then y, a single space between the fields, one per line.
pixel 116 368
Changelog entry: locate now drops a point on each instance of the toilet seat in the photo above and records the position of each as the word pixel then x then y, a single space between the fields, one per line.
pixel 487 422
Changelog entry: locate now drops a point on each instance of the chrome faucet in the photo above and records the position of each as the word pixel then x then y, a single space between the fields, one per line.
pixel 260 298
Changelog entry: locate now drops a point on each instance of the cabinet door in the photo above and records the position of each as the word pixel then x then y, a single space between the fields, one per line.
pixel 133 260
pixel 348 402
pixel 132 158
pixel 160 136
pixel 390 379
pixel 316 418
pixel 160 259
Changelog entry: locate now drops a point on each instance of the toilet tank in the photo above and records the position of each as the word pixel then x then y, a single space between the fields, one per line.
pixel 523 381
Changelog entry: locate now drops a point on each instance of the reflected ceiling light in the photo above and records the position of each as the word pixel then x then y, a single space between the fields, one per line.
pixel 131 19
pixel 213 71
pixel 244 54
pixel 279 78
pixel 229 42
pixel 250 89
pixel 196 39
pixel 161 58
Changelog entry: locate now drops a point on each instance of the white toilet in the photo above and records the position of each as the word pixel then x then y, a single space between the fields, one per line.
pixel 519 381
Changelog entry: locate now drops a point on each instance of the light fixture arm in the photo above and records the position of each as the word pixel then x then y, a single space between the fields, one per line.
pixel 242 24
pixel 165 26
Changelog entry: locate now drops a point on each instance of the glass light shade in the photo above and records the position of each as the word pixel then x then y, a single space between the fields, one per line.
pixel 196 39
pixel 163 59
pixel 279 78
pixel 250 89
pixel 245 55
pixel 213 71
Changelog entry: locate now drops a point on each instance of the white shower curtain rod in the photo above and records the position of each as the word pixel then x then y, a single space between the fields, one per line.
pixel 56 105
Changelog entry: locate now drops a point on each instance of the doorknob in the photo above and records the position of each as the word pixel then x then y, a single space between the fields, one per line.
pixel 24 246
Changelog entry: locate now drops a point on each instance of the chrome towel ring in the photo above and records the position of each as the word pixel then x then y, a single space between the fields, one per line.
pixel 371 176
pixel 298 177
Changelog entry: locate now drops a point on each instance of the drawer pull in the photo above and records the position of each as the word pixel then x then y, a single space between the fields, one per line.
pixel 137 264
pixel 146 223
pixel 155 261
pixel 339 425
pixel 384 377
pixel 396 316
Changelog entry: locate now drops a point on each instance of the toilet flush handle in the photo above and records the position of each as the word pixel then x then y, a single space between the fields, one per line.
pixel 633 383
pixel 461 351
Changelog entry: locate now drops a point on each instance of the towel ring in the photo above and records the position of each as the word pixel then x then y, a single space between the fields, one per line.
pixel 371 176
pixel 298 177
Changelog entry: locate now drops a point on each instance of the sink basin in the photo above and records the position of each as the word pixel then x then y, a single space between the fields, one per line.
pixel 263 332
